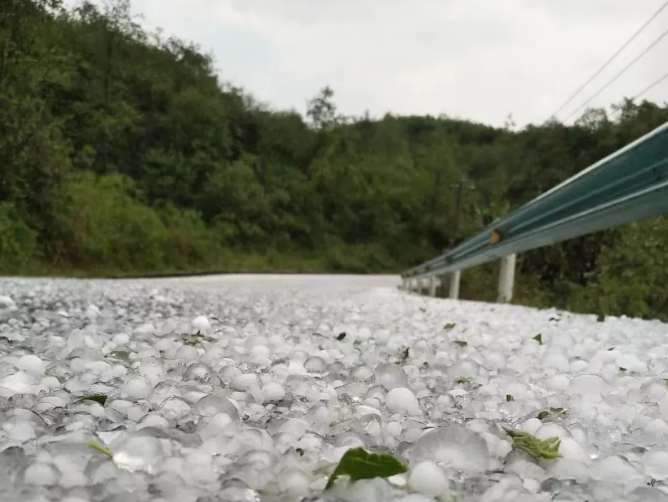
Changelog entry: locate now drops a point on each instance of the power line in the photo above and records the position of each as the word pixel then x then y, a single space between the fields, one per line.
pixel 614 56
pixel 650 87
pixel 612 80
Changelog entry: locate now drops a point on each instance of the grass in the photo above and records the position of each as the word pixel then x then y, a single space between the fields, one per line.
pixel 232 262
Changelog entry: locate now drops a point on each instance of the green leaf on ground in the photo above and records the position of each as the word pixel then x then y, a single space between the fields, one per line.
pixel 551 413
pixel 196 339
pixel 98 398
pixel 462 380
pixel 449 326
pixel 357 463
pixel 461 343
pixel 548 448
pixel 538 338
pixel 509 397
pixel 100 448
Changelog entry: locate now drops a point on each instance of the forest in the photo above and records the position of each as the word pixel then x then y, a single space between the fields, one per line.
pixel 123 153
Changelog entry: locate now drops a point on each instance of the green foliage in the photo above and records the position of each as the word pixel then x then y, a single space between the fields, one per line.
pixel 18 242
pixel 196 339
pixel 552 413
pixel 538 338
pixel 96 398
pixel 549 448
pixel 122 152
pixel 98 447
pixel 633 275
pixel 106 224
pixel 358 464
pixel 461 380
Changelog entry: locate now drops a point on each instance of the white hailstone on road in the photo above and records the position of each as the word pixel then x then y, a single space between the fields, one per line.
pixel 92 312
pixel 614 469
pixel 571 449
pixel 454 447
pixel 403 401
pixel 144 330
pixel 532 425
pixel 187 353
pixel 551 430
pixel 121 339
pixel 245 381
pixel 559 382
pixel 393 428
pixel 6 302
pixel 138 451
pixel 555 359
pixel 589 385
pixel 201 323
pixel 19 383
pixel 466 368
pixel 211 405
pixel 42 474
pixel 315 364
pixel 655 463
pixel 21 431
pixel 273 391
pixel 137 387
pixel 631 363
pixel 294 481
pixel 428 478
pixel 391 376
pixel 31 363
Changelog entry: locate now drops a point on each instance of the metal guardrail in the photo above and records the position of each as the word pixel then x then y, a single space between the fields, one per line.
pixel 628 185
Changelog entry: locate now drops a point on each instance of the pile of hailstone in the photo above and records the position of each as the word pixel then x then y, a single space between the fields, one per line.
pixel 200 392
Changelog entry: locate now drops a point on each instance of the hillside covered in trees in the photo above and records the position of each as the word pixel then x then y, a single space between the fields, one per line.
pixel 122 152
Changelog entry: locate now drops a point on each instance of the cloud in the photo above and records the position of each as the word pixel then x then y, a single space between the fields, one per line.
pixel 474 59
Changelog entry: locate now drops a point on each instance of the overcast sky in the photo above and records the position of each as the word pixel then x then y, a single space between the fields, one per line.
pixel 476 59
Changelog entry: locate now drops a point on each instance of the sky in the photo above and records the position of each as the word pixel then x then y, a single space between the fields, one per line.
pixel 480 60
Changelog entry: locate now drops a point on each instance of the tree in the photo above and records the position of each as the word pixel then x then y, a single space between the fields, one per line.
pixel 321 110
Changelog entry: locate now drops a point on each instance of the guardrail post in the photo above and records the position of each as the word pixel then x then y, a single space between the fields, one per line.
pixel 453 291
pixel 506 278
pixel 433 283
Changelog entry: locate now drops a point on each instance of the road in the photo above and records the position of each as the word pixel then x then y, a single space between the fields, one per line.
pixel 249 388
